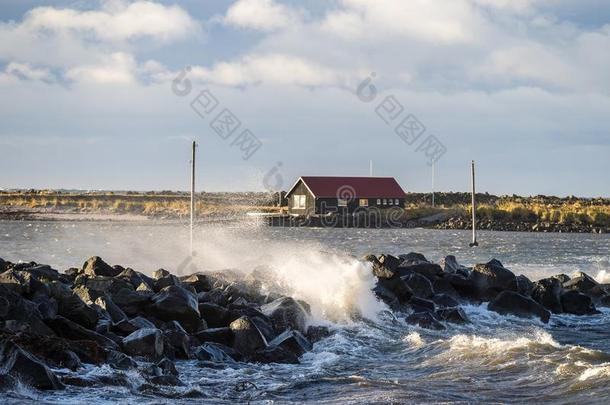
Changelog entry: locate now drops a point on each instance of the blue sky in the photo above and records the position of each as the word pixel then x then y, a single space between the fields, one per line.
pixel 521 86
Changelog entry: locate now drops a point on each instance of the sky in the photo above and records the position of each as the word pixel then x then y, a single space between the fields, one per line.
pixel 109 94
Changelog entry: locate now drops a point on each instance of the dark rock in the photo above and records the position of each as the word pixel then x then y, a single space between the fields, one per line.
pixel 199 282
pixel 453 315
pixel 444 301
pixel 464 286
pixel 316 333
pixel 216 352
pixel 177 338
pixel 604 301
pixel 412 258
pixel 47 306
pixel 116 313
pixel 99 286
pixel 425 320
pixel 132 302
pixel 71 330
pixel 491 278
pixel 19 363
pixel 386 296
pixel 575 302
pixel 547 292
pixel 214 315
pixel 581 282
pixel 214 296
pixel 286 313
pixel 174 303
pixel 265 326
pixel 167 367
pixel 168 380
pixel 3 265
pixel 72 307
pixel 397 286
pixel 442 286
pixel 144 342
pixel 422 305
pixel 274 354
pixel 563 278
pixel 294 341
pixel 216 335
pixel 4 307
pixel 247 337
pixel 451 265
pixel 419 285
pixel 513 303
pixel 135 278
pixel 524 285
pixel 429 270
pixel 128 326
pixel 95 266
pixel 120 360
pixel 21 309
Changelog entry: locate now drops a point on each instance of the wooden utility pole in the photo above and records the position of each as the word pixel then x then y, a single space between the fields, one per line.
pixel 193 193
pixel 474 212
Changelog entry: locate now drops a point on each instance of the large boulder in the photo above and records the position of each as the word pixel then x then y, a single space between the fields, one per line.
pixel 95 266
pixel 274 354
pixel 451 265
pixel 200 282
pixel 215 315
pixel 574 302
pixel 419 285
pixel 247 337
pixel 70 330
pixel 453 315
pixel 425 320
pixel 116 314
pixel 174 303
pixel 177 339
pixel 384 266
pixel 293 341
pixel 19 363
pixel 429 270
pixel 412 258
pixel 146 342
pixel 133 303
pixel 513 303
pixel 216 335
pixel 286 313
pixel 547 292
pixel 580 282
pixel 216 352
pixel 72 307
pixel 397 286
pixel 491 278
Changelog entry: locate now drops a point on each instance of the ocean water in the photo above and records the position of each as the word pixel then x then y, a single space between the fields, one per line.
pixel 373 356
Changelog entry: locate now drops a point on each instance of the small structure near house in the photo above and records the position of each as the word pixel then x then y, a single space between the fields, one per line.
pixel 321 195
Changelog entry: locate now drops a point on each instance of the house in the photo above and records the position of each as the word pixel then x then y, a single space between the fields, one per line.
pixel 320 195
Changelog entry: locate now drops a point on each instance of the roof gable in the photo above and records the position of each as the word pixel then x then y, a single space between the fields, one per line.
pixel 367 187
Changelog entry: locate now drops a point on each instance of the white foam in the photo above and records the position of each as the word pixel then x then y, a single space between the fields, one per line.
pixel 414 339
pixel 601 370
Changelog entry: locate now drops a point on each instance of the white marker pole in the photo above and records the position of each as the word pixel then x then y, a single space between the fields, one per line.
pixel 474 212
pixel 192 193
pixel 371 168
pixel 432 185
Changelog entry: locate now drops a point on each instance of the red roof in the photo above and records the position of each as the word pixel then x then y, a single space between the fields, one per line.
pixel 353 187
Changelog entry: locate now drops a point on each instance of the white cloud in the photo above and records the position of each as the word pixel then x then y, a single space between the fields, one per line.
pixel 263 15
pixel 26 71
pixel 119 68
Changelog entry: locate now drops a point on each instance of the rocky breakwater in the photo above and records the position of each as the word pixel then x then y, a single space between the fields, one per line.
pixel 430 294
pixel 51 323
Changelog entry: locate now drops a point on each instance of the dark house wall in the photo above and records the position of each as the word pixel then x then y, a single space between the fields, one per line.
pixel 301 189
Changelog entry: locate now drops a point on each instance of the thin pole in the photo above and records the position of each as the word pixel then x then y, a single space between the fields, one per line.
pixel 474 212
pixel 371 168
pixel 433 185
pixel 192 193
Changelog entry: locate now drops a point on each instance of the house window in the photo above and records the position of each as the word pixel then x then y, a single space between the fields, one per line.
pixel 364 202
pixel 396 202
pixel 299 201
pixel 385 201
pixel 390 201
pixel 341 202
pixel 379 201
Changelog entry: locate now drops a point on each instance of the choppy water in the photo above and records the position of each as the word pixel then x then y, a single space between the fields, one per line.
pixel 378 359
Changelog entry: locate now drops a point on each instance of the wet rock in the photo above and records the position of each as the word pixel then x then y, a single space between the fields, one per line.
pixel 422 305
pixel 217 335
pixel 513 303
pixel 451 265
pixel 412 258
pixel 120 360
pixel 316 333
pixel 215 352
pixel 286 313
pixel 442 286
pixel 444 301
pixel 4 307
pixel 563 278
pixel 547 292
pixel 247 337
pixel 464 286
pixel 135 278
pixel 214 296
pixel 95 266
pixel 26 282
pixel 128 326
pixel 214 315
pixel 397 286
pixel 168 380
pixel 387 296
pixel 577 303
pixel 146 342
pixel 47 306
pixel 174 303
pixel 580 282
pixel 100 286
pixel 72 307
pixel 21 309
pixel 274 354
pixel 167 367
pixel 453 315
pixel 19 363
pixel 293 341
pixel 424 320
pixel 491 278
pixel 163 278
pixel 177 338
pixel 419 285
pixel 3 265
pixel 604 301
pixel 524 285
pixel 71 330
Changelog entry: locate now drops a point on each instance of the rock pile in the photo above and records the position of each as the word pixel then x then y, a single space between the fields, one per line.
pixel 102 314
pixel 431 293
